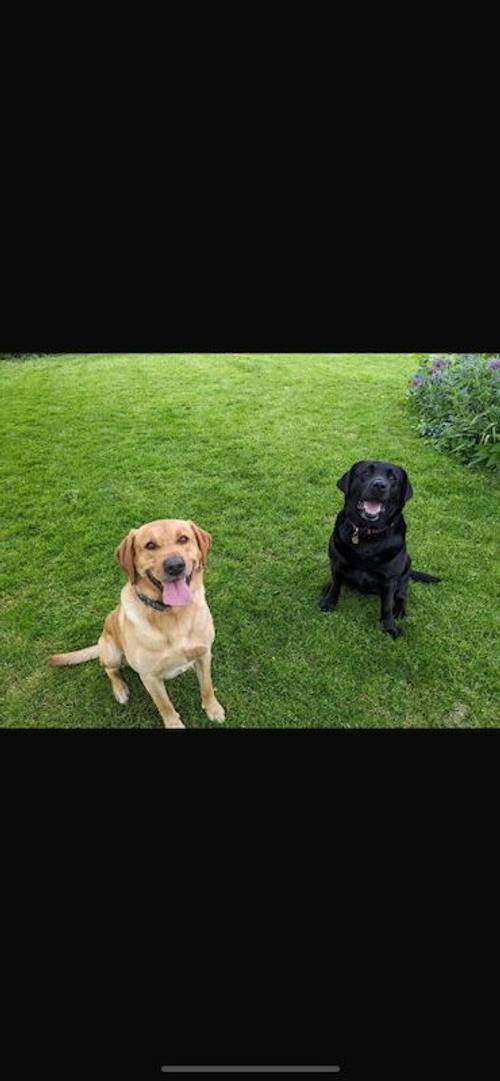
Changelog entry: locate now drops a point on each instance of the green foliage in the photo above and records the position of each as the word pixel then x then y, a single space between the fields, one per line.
pixel 455 402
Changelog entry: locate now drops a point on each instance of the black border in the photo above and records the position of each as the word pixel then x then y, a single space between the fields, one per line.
pixel 304 894
pixel 94 288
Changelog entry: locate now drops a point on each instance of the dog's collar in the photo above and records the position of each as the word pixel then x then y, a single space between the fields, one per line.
pixel 158 605
pixel 365 531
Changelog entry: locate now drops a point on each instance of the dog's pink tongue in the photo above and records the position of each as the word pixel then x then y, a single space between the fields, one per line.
pixel 176 593
pixel 371 507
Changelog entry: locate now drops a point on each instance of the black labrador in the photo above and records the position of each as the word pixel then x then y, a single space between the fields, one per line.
pixel 367 548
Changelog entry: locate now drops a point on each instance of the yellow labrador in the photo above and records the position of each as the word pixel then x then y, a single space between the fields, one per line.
pixel 163 624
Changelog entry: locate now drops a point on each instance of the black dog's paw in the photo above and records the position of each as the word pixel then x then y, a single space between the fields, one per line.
pixel 327 601
pixel 395 632
pixel 399 610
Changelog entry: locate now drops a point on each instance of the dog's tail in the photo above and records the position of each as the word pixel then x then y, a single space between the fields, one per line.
pixel 421 576
pixel 77 657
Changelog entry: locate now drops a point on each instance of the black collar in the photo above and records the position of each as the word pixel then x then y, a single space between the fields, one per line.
pixel 366 531
pixel 158 605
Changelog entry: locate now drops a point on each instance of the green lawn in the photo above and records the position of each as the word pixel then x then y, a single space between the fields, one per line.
pixel 250 447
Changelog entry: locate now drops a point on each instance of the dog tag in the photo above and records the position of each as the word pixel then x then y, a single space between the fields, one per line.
pixel 355 536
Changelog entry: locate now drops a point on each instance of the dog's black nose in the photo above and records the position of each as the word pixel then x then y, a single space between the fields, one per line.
pixel 174 566
pixel 379 486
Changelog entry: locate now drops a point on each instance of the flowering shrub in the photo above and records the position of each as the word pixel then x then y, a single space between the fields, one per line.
pixel 455 401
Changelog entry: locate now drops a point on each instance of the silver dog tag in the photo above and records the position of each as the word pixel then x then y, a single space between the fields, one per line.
pixel 355 536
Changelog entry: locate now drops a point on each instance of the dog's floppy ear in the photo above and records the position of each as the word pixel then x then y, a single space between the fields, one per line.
pixel 344 482
pixel 406 488
pixel 203 540
pixel 125 555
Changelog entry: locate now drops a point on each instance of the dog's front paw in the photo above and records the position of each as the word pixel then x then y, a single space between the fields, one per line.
pixel 214 711
pixel 327 605
pixel 395 632
pixel 172 720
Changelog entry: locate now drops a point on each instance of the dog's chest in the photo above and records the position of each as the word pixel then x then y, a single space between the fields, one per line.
pixel 164 647
pixel 157 655
pixel 167 655
pixel 174 667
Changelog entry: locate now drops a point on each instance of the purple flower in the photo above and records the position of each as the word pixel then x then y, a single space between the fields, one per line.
pixel 439 362
pixel 494 364
pixel 417 379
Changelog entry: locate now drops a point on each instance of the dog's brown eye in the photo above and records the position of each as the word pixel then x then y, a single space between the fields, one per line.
pixel 183 539
pixel 151 545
